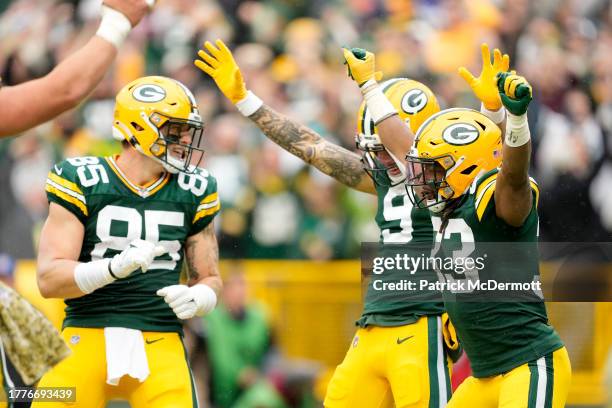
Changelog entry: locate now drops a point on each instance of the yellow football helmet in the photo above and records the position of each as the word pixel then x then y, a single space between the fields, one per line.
pixel 159 117
pixel 451 149
pixel 414 103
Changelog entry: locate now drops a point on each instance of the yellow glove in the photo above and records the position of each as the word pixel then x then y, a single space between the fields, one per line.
pixel 219 63
pixel 485 85
pixel 361 69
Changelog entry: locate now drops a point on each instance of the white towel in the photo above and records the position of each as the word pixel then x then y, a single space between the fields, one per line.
pixel 125 355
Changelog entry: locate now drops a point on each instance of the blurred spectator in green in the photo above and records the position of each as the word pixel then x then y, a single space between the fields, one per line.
pixel 238 338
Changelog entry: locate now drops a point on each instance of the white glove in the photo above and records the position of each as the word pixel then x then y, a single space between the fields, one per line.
pixel 140 254
pixel 188 301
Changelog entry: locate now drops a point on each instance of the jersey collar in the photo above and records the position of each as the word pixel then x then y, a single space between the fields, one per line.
pixel 143 191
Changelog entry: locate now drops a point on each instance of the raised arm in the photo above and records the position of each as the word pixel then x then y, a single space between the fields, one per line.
pixel 34 102
pixel 394 133
pixel 299 140
pixel 513 196
pixel 303 142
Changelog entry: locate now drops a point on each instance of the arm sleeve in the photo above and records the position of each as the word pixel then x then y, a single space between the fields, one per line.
pixel 206 207
pixel 63 188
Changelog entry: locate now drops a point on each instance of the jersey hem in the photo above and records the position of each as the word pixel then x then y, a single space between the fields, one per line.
pixel 132 325
pixel 378 320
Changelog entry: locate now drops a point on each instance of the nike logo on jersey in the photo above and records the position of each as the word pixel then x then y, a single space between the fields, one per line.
pixel 400 341
pixel 153 341
pixel 58 170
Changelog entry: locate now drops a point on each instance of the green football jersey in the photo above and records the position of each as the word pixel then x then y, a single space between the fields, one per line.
pixel 400 222
pixel 502 334
pixel 115 212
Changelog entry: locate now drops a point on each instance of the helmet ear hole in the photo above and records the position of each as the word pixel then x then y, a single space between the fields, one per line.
pixel 467 171
pixel 136 127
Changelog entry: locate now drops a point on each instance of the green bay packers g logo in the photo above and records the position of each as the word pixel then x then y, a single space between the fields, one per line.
pixel 414 101
pixel 149 93
pixel 460 134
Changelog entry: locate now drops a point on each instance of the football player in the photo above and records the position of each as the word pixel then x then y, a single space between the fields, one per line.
pixel 113 245
pixel 398 355
pixel 456 170
pixel 75 77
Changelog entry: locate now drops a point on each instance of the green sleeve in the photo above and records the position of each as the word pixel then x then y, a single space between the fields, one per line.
pixel 63 187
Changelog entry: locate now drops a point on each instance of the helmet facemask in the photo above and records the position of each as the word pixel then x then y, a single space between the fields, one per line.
pixel 426 183
pixel 170 148
pixel 383 168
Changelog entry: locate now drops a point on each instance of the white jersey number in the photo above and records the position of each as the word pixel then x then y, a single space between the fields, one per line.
pixel 401 213
pixel 152 221
pixel 196 183
pixel 455 226
pixel 89 170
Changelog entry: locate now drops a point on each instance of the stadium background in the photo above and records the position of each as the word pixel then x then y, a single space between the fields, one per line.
pixel 293 232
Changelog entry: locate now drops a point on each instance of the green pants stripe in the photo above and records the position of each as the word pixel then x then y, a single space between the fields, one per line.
pixel 541 382
pixel 439 378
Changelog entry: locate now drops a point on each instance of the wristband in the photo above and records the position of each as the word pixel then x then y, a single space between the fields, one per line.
pixel 114 26
pixel 378 105
pixel 110 270
pixel 496 116
pixel 206 298
pixel 517 130
pixel 93 275
pixel 249 104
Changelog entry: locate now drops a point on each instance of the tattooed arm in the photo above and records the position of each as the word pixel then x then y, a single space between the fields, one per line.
pixel 202 256
pixel 218 62
pixel 303 142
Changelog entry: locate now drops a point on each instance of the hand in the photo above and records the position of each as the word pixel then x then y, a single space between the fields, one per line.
pixel 361 65
pixel 515 92
pixel 219 63
pixel 134 10
pixel 186 301
pixel 139 255
pixel 485 86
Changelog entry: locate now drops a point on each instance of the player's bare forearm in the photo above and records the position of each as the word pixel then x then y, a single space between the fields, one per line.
pixel 34 102
pixel 396 136
pixel 56 278
pixel 58 252
pixel 202 256
pixel 333 160
pixel 513 191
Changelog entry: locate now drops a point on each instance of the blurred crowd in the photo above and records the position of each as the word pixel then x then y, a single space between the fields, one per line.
pixel 289 50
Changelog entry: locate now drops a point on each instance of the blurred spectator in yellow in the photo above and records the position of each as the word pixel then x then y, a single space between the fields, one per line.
pixel 458 34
